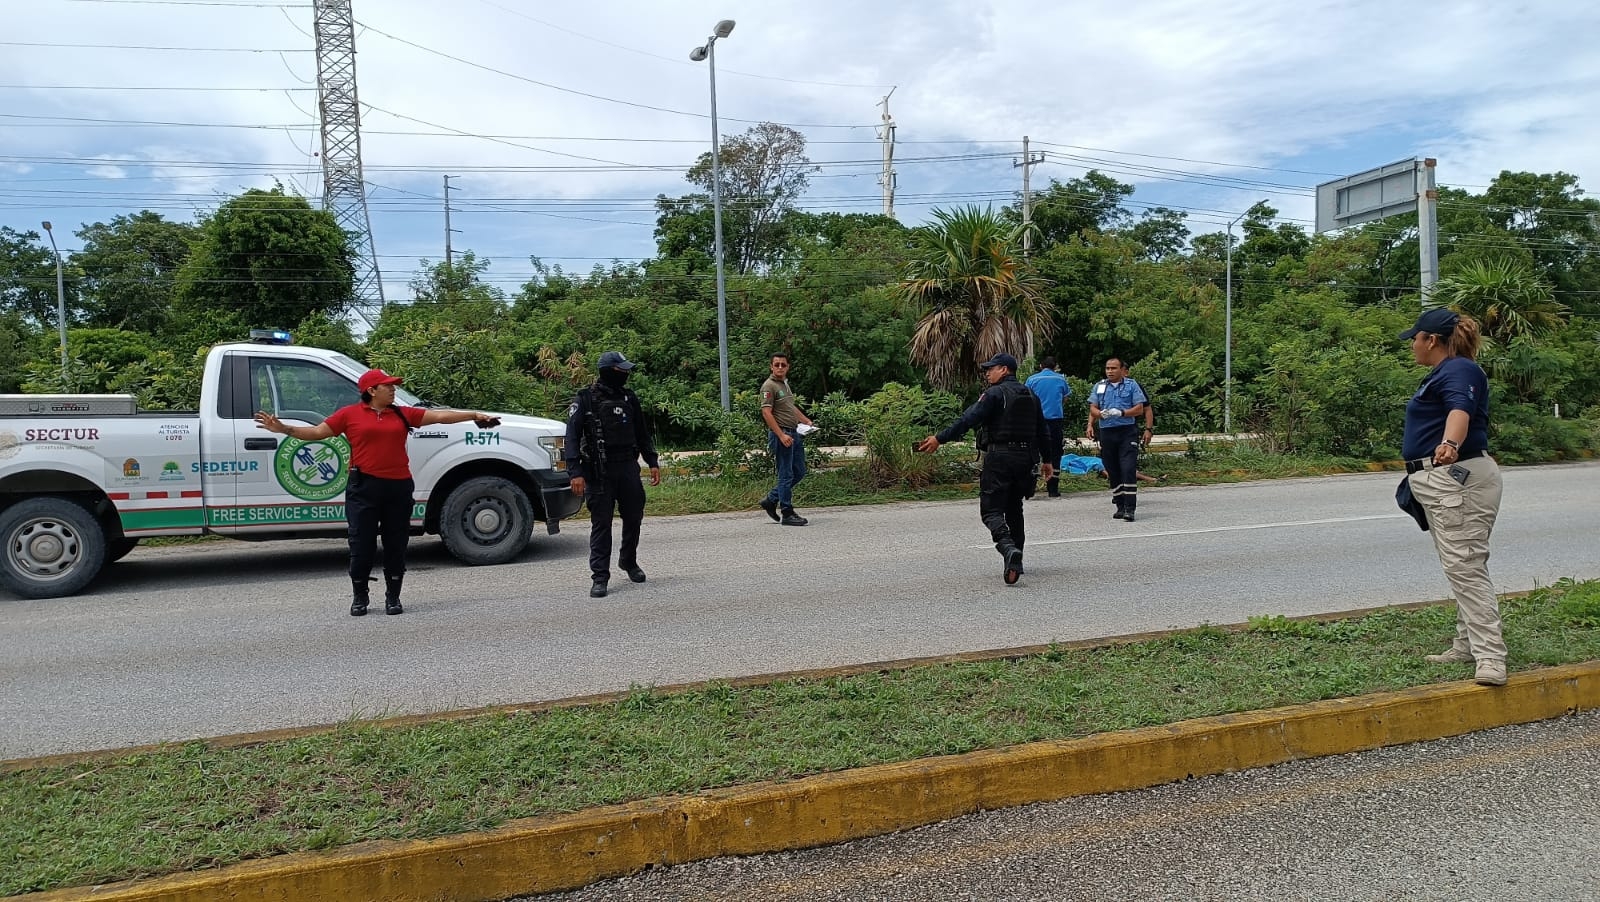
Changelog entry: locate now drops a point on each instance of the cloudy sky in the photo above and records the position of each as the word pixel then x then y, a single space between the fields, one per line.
pixel 560 122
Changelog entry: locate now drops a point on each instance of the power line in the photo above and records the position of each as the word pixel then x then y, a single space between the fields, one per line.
pixel 141 87
pixel 599 97
pixel 150 47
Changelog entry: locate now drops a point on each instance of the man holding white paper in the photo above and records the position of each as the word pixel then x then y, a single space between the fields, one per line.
pixel 786 428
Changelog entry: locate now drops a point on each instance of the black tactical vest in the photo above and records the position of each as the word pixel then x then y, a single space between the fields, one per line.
pixel 1018 422
pixel 610 421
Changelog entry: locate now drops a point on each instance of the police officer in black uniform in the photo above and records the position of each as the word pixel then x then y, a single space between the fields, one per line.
pixel 607 433
pixel 1013 439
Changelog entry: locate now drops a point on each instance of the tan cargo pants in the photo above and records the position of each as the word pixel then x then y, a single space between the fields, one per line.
pixel 1460 518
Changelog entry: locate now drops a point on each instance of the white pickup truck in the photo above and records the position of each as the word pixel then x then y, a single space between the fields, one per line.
pixel 84 478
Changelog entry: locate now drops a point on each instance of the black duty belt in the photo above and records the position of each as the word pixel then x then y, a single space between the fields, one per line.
pixel 1010 446
pixel 1426 463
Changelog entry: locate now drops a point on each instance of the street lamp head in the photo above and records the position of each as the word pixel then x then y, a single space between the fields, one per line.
pixel 724 28
pixel 46 225
pixel 698 54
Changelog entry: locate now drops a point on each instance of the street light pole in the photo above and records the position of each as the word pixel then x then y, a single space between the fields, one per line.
pixel 61 303
pixel 1227 353
pixel 709 54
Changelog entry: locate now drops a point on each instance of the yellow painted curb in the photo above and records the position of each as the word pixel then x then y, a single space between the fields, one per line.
pixel 568 851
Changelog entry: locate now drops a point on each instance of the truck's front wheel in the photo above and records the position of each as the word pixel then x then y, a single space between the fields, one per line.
pixel 53 548
pixel 486 520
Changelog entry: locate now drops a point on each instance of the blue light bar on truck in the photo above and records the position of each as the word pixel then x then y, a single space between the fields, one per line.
pixel 271 337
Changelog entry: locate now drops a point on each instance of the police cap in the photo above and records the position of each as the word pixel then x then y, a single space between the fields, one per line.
pixel 1005 360
pixel 614 359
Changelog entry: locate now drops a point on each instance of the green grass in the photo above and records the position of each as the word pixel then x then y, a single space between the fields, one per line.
pixel 846 482
pixel 193 806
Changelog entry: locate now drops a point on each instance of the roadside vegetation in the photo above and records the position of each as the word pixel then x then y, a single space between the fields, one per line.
pixel 191 806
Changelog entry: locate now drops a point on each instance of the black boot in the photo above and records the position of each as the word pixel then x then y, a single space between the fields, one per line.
pixel 391 594
pixel 790 518
pixel 1013 560
pixel 360 597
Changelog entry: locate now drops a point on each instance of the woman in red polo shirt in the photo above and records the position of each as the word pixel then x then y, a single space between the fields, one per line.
pixel 379 498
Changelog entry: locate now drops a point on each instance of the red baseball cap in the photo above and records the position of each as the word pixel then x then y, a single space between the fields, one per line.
pixel 371 379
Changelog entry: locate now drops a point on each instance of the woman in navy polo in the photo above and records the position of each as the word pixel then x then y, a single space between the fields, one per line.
pixel 379 496
pixel 1456 481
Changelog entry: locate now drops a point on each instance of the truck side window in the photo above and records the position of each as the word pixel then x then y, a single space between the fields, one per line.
pixel 299 390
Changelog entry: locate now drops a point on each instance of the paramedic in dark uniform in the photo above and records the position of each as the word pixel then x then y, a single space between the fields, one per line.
pixel 1450 472
pixel 1013 437
pixel 607 433
pixel 378 498
pixel 1114 403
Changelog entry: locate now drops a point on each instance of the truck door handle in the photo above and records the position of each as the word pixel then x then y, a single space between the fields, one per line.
pixel 260 444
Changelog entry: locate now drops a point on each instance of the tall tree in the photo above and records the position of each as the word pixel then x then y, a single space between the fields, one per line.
pixel 268 259
pixel 28 278
pixel 764 172
pixel 967 282
pixel 1161 231
pixel 1066 210
pixel 130 268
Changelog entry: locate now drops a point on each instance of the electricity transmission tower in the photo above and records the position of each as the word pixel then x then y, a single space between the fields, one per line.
pixel 344 188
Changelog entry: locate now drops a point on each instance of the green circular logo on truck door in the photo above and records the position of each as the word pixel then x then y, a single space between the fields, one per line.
pixel 316 470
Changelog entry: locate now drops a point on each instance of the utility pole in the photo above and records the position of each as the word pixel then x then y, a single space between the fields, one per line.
pixel 886 135
pixel 449 262
pixel 1428 228
pixel 1027 163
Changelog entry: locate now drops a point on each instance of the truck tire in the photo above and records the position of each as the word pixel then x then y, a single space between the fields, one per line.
pixel 52 548
pixel 486 520
pixel 117 549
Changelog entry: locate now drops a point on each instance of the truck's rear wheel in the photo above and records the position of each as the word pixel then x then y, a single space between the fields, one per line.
pixel 486 520
pixel 52 547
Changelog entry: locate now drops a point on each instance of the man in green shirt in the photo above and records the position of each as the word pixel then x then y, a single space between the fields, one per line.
pixel 783 420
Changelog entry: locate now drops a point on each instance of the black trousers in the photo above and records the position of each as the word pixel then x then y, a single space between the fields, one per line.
pixel 374 507
pixel 1053 447
pixel 1119 451
pixel 1006 479
pixel 620 490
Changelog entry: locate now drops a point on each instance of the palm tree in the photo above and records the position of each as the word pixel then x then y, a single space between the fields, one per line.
pixel 973 293
pixel 1507 297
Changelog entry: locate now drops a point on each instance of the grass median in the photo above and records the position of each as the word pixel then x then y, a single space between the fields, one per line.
pixel 849 482
pixel 193 805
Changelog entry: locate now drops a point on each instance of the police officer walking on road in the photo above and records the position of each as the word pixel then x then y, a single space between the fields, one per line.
pixel 1114 402
pixel 1011 433
pixel 607 433
pixel 380 494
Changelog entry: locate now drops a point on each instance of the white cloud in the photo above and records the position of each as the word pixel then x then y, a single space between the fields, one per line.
pixel 1326 87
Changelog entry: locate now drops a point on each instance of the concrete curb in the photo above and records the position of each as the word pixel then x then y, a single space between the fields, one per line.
pixel 567 851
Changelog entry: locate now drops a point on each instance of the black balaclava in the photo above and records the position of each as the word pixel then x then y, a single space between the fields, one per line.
pixel 613 378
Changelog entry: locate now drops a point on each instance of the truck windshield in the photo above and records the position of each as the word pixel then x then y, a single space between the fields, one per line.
pixel 401 396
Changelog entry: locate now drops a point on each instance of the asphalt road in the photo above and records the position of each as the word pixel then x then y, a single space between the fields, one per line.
pixel 225 637
pixel 1510 814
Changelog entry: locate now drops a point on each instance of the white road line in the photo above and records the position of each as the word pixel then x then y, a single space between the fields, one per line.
pixel 1193 532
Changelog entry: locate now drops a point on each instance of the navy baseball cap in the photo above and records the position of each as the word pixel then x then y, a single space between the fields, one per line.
pixel 1005 360
pixel 1438 320
pixel 614 359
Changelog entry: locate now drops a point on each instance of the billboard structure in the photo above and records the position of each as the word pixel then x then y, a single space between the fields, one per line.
pixel 1383 192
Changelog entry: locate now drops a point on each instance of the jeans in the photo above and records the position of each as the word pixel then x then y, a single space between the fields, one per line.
pixel 791 462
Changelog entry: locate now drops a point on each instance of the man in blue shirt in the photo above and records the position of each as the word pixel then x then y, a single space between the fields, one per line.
pixel 1114 402
pixel 1051 388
